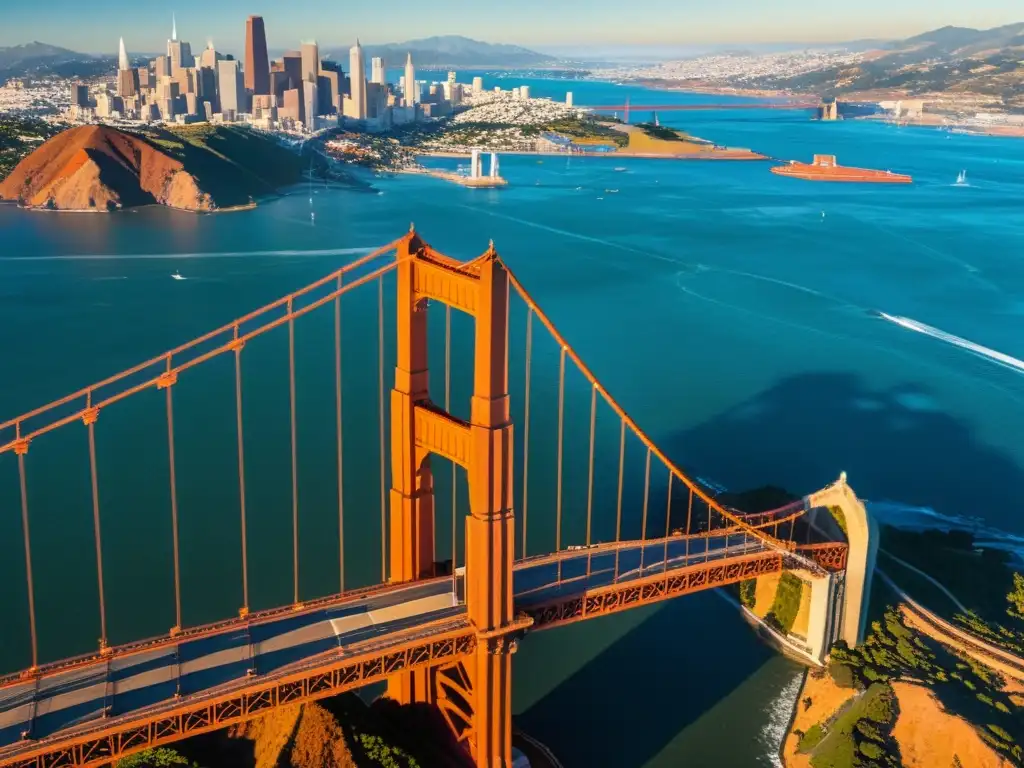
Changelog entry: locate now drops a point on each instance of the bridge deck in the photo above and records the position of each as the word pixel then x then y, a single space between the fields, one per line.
pixel 142 684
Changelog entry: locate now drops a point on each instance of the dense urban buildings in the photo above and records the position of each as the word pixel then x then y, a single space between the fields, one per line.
pixel 299 93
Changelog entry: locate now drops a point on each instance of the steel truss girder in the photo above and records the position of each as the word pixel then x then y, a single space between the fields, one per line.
pixel 620 597
pixel 188 718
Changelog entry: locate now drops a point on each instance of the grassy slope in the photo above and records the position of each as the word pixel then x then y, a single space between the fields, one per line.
pixel 232 164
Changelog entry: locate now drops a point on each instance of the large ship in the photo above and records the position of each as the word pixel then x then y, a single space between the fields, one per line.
pixel 825 168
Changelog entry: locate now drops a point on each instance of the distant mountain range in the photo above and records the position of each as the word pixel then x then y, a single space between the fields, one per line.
pixel 450 51
pixel 38 59
pixel 987 62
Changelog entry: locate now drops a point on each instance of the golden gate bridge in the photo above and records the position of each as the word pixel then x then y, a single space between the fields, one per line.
pixel 542 547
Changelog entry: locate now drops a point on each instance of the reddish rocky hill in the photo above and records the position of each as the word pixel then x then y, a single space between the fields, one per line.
pixel 100 168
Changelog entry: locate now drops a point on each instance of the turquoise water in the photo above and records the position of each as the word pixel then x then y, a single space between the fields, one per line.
pixel 735 322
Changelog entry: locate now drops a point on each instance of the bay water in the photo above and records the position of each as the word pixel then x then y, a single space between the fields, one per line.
pixel 760 329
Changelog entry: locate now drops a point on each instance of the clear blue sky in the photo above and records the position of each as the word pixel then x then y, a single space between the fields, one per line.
pixel 95 25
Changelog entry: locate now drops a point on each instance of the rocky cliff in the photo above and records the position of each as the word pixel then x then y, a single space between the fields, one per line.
pixel 99 168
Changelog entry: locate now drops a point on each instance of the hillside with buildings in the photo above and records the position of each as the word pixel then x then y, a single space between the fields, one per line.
pixel 100 168
pixel 952 67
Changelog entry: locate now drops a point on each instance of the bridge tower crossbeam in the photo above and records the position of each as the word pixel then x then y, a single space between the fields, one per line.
pixel 483 447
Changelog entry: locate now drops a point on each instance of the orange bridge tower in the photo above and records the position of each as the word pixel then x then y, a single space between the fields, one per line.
pixel 474 695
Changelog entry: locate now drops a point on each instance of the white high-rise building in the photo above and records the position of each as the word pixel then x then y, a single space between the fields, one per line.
pixel 122 57
pixel 475 165
pixel 494 165
pixel 378 73
pixel 524 92
pixel 568 99
pixel 410 83
pixel 478 85
pixel 357 77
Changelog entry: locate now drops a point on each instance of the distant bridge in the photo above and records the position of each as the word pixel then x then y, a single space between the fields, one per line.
pixel 627 107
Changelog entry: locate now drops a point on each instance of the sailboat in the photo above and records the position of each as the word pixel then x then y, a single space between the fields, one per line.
pixel 961 179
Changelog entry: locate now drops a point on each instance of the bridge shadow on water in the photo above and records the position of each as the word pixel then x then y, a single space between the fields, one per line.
pixel 628 703
pixel 896 444
pixel 663 677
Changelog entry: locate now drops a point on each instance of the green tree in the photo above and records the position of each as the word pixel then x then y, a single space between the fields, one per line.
pixel 1016 597
pixel 160 757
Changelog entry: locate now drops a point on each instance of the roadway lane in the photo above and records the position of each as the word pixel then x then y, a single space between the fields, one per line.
pixel 198 665
pixel 537 584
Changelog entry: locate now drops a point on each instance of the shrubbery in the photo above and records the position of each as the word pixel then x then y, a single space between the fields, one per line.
pixel 786 604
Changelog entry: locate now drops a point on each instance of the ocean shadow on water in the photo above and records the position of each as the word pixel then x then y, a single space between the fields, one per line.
pixel 634 698
pixel 896 444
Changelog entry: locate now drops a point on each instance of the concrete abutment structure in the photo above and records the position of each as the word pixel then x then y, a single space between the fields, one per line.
pixel 834 605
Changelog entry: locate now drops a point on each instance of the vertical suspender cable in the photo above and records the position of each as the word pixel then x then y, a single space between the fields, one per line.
pixel 380 400
pixel 707 541
pixel 295 459
pixel 618 514
pixel 447 408
pixel 558 493
pixel 686 533
pixel 643 520
pixel 668 517
pixel 590 480
pixel 241 475
pixel 28 547
pixel 91 421
pixel 526 422
pixel 174 500
pixel 337 415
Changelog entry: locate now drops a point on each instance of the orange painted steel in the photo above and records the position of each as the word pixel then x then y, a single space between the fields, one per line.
pixel 644 591
pixel 241 473
pixel 329 675
pixel 634 427
pixel 233 624
pixel 20 442
pixel 337 410
pixel 437 662
pixel 483 446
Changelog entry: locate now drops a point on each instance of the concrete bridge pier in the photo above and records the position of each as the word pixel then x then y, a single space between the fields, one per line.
pixel 833 605
pixel 861 535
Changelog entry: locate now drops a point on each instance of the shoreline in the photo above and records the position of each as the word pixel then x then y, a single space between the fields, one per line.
pixel 41 209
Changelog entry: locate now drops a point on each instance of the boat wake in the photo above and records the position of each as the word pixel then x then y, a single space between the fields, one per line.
pixel 995 356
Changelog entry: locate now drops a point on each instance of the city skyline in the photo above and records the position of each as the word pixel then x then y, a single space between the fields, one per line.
pixel 601 23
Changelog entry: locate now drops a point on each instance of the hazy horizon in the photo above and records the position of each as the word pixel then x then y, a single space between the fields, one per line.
pixel 599 28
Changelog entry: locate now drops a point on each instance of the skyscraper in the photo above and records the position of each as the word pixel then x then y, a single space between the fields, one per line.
pixel 357 76
pixel 410 83
pixel 378 72
pixel 174 34
pixel 127 78
pixel 257 65
pixel 310 62
pixel 231 85
pixel 179 53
